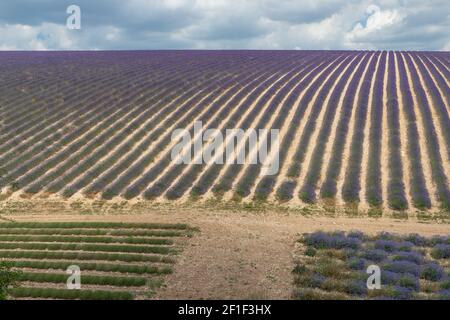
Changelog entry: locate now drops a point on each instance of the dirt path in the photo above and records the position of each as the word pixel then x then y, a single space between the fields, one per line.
pixel 240 254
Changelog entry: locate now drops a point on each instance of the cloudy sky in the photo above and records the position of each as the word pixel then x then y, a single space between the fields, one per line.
pixel 227 24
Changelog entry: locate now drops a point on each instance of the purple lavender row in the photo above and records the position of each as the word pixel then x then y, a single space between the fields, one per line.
pixel 106 140
pixel 233 170
pixel 78 132
pixel 419 193
pixel 184 183
pixel 247 181
pixel 267 183
pixel 329 187
pixel 162 183
pixel 177 190
pixel 352 183
pixel 437 172
pixel 373 179
pixel 438 103
pixel 396 187
pixel 136 169
pixel 286 189
pixel 307 192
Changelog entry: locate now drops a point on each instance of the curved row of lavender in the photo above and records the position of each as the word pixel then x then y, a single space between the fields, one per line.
pixel 99 124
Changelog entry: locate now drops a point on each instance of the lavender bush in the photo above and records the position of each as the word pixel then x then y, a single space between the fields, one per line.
pixel 432 271
pixel 441 251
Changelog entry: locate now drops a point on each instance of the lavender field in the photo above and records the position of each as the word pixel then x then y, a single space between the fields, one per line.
pixel 358 128
pixel 333 266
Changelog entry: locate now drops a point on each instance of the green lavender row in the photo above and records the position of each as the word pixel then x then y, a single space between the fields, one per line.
pixel 58 255
pixel 93 225
pixel 86 247
pixel 85 279
pixel 91 232
pixel 22 238
pixel 103 267
pixel 70 294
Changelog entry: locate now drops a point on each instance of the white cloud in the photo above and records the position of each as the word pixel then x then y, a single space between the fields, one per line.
pixel 43 37
pixel 229 24
pixel 377 21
